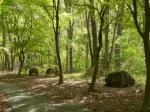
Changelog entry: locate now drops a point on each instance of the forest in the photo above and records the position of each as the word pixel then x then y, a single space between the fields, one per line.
pixel 74 56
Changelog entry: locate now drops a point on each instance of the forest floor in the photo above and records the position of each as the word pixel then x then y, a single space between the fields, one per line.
pixel 3 102
pixel 104 99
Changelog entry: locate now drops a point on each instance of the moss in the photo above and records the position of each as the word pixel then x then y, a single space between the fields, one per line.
pixel 33 71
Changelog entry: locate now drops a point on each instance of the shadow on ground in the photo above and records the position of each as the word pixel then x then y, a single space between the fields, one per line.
pixel 23 100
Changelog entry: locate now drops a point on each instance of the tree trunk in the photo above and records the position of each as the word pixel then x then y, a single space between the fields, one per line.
pixel 20 67
pixel 106 52
pixel 57 43
pixel 48 54
pixel 7 61
pixel 145 36
pixel 4 40
pixel 89 36
pixel 69 51
pixel 97 50
pixel 70 35
pixel 117 57
pixel 71 60
pixel 21 60
pixel 113 44
pixel 12 63
pixel 106 56
pixel 67 59
pixel 94 32
pixel 95 72
pixel 146 101
pixel 12 56
pixel 117 47
pixel 87 55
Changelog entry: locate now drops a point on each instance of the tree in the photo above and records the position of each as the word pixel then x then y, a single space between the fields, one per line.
pixel 69 54
pixel 145 37
pixel 56 29
pixel 97 46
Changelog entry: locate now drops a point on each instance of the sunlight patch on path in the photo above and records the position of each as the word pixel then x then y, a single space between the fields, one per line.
pixel 23 100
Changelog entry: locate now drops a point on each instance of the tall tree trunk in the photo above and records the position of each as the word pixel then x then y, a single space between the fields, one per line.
pixel 87 54
pixel 106 55
pixel 57 43
pixel 98 49
pixel 146 101
pixel 94 32
pixel 69 51
pixel 67 58
pixel 106 52
pixel 87 57
pixel 117 46
pixel 70 35
pixel 113 44
pixel 89 35
pixel 117 57
pixel 4 40
pixel 145 36
pixel 48 54
pixel 12 62
pixel 95 72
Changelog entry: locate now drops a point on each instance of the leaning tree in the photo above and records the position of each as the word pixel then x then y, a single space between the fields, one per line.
pixel 144 34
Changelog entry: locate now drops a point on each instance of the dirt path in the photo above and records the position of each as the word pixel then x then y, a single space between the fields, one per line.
pixel 23 100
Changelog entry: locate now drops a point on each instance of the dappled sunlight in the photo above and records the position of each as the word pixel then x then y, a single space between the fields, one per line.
pixel 41 86
pixel 47 95
pixel 24 101
pixel 72 82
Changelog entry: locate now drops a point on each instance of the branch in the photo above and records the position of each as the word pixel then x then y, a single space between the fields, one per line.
pixel 87 5
pixel 113 20
pixel 134 14
pixel 41 5
pixel 100 2
pixel 50 16
pixel 102 16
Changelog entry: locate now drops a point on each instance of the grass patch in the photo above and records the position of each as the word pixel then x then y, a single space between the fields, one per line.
pixel 75 76
pixel 140 80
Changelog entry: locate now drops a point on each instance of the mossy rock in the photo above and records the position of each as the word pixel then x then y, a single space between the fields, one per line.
pixel 119 79
pixel 50 71
pixel 33 72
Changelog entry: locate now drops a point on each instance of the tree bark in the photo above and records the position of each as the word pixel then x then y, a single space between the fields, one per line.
pixel 89 36
pixel 57 43
pixel 113 44
pixel 69 50
pixel 21 60
pixel 117 46
pixel 67 58
pixel 4 40
pixel 106 55
pixel 97 50
pixel 146 101
pixel 70 35
pixel 94 32
pixel 95 72
pixel 117 57
pixel 145 36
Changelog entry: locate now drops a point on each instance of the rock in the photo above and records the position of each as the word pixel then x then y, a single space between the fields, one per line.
pixel 119 79
pixel 33 72
pixel 50 71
